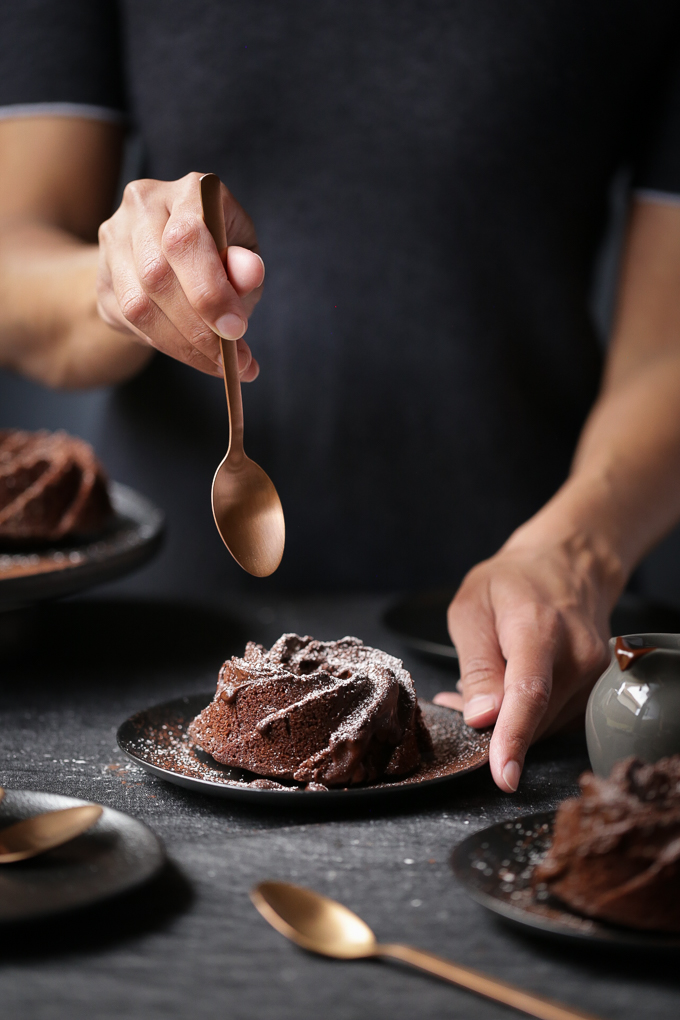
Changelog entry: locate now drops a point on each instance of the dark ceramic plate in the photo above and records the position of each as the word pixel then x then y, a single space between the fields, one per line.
pixel 131 539
pixel 115 855
pixel 495 866
pixel 156 740
pixel 420 620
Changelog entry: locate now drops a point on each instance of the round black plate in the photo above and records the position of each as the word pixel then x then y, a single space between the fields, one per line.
pixel 132 538
pixel 156 740
pixel 420 620
pixel 495 866
pixel 115 855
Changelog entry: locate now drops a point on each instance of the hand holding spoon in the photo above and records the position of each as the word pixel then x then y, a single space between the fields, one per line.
pixel 246 506
pixel 324 926
pixel 45 832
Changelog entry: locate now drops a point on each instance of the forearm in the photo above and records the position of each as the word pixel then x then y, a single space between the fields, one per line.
pixel 49 327
pixel 623 493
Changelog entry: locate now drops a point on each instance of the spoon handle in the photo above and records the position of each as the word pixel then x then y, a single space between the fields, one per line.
pixel 232 385
pixel 526 1002
pixel 213 214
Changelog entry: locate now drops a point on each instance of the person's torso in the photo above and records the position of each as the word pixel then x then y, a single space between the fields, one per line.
pixel 429 184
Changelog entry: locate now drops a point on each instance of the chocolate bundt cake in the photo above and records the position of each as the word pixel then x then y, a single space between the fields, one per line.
pixel 615 854
pixel 323 712
pixel 51 487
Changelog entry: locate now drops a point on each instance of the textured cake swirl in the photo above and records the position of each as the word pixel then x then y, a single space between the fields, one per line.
pixel 323 712
pixel 51 487
pixel 615 854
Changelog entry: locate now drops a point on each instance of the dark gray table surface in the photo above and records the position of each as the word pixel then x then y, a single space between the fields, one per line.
pixel 190 944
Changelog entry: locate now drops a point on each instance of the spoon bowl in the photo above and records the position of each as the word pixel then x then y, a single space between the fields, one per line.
pixel 248 513
pixel 245 503
pixel 313 921
pixel 35 835
pixel 324 926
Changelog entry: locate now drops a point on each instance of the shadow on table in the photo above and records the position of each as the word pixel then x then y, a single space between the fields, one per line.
pixel 472 790
pixel 151 908
pixel 653 965
pixel 126 637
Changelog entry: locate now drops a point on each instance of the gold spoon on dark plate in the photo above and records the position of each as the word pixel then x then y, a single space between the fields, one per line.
pixel 324 926
pixel 246 506
pixel 43 832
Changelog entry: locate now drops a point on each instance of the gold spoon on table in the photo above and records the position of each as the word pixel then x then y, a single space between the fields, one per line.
pixel 324 926
pixel 246 506
pixel 45 832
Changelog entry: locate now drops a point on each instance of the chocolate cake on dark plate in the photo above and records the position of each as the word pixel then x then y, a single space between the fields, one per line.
pixel 52 487
pixel 327 713
pixel 615 853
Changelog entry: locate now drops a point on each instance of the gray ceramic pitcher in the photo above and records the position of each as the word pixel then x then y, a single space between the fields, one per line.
pixel 634 707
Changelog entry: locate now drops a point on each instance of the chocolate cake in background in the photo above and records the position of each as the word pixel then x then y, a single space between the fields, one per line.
pixel 51 487
pixel 325 712
pixel 615 853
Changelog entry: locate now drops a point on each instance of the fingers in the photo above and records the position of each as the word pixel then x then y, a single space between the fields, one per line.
pixel 161 277
pixel 124 305
pixel 528 687
pixel 482 667
pixel 531 644
pixel 506 656
pixel 449 699
pixel 247 366
pixel 188 276
pixel 245 270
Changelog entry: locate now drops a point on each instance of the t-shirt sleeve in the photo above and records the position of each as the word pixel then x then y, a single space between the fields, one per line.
pixel 657 170
pixel 61 57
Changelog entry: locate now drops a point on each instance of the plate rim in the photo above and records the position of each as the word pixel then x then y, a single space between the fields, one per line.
pixel 282 797
pixel 154 866
pixel 603 934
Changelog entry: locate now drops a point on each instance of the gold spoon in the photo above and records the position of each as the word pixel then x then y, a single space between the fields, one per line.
pixel 44 832
pixel 246 506
pixel 324 926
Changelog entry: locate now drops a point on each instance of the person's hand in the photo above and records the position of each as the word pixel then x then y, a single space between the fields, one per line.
pixel 530 626
pixel 161 279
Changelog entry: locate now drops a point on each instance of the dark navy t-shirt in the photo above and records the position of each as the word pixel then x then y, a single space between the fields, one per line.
pixel 429 180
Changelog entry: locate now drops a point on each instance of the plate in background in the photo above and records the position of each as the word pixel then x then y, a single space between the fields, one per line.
pixel 495 866
pixel 115 855
pixel 133 537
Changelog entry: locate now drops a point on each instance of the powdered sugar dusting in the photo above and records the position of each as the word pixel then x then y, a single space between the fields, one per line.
pixel 329 712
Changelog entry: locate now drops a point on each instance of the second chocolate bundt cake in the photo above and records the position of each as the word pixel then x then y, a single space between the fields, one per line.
pixel 51 487
pixel 328 712
pixel 615 853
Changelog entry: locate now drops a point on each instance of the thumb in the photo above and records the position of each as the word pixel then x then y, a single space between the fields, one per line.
pixel 482 666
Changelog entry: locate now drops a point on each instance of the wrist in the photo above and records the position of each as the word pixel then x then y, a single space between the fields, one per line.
pixel 579 526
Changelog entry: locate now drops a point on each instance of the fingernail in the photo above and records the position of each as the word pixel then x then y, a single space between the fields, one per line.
pixel 220 362
pixel 230 326
pixel 243 361
pixel 511 774
pixel 479 706
pixel 263 266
